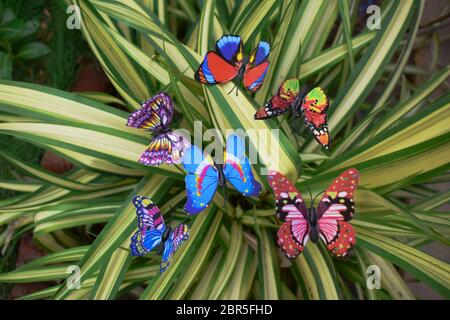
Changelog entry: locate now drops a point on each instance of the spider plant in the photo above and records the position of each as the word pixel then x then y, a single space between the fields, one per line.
pixel 395 133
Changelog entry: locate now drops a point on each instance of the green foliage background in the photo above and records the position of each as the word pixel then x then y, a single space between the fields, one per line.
pixel 398 140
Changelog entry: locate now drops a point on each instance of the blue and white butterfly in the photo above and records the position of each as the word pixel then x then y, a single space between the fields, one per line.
pixel 204 175
pixel 153 233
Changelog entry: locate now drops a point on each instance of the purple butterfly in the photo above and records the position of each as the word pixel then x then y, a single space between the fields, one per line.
pixel 155 115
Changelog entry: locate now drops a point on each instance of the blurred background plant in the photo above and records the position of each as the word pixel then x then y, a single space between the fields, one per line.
pixel 68 164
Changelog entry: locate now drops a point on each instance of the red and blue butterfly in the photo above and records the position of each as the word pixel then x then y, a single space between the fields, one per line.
pixel 204 175
pixel 312 106
pixel 155 115
pixel 154 234
pixel 328 221
pixel 228 63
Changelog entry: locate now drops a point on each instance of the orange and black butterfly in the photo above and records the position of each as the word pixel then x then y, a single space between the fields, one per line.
pixel 228 63
pixel 312 106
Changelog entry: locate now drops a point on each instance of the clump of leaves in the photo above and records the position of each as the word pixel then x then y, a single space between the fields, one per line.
pixel 18 43
pixel 399 145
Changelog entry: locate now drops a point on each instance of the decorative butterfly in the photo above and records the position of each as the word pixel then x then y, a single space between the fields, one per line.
pixel 312 106
pixel 204 175
pixel 228 63
pixel 327 221
pixel 153 233
pixel 155 115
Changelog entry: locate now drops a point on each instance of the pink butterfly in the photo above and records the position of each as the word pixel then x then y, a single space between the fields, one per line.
pixel 327 221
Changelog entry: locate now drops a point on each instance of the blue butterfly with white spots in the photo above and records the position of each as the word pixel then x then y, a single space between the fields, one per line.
pixel 205 175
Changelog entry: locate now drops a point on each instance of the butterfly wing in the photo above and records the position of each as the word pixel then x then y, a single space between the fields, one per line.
pixel 344 239
pixel 260 54
pixel 291 209
pixel 230 47
pixel 315 102
pixel 336 207
pixel 150 227
pixel 223 65
pixel 214 69
pixel 144 241
pixel 176 238
pixel 167 148
pixel 237 168
pixel 287 198
pixel 201 181
pixel 155 113
pixel 339 197
pixel 256 69
pixel 282 101
pixel 314 113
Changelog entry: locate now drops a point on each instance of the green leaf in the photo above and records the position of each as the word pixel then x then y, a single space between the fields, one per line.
pixel 345 13
pixel 397 139
pixel 268 273
pixel 7 15
pixel 424 267
pixel 5 66
pixel 31 26
pixel 12 29
pixel 32 50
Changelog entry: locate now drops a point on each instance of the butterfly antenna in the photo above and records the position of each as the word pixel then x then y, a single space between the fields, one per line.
pixel 234 86
pixel 318 195
pixel 310 194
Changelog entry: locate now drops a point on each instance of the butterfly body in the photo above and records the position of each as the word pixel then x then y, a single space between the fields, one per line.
pixel 298 102
pixel 164 238
pixel 310 216
pixel 205 175
pixel 163 130
pixel 220 174
pixel 310 105
pixel 327 221
pixel 313 225
pixel 153 234
pixel 242 67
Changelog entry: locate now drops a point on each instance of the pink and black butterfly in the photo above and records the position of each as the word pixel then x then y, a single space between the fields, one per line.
pixel 328 221
pixel 228 63
pixel 311 106
pixel 154 234
pixel 155 115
